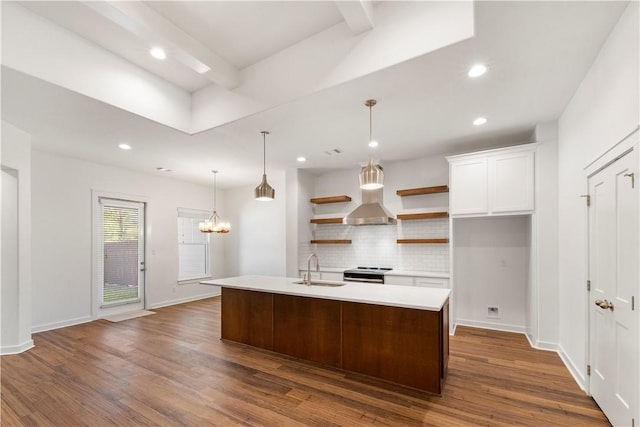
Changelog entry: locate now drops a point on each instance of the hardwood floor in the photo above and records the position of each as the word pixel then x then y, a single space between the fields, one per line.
pixel 171 368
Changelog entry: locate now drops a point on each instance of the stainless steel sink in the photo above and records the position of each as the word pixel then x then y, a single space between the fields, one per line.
pixel 320 283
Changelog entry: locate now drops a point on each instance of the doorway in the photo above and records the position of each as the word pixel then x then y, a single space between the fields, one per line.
pixel 119 244
pixel 614 274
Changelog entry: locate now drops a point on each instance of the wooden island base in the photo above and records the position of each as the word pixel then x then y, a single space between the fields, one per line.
pixel 402 345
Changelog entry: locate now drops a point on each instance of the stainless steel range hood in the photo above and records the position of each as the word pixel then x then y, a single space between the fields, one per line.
pixel 371 211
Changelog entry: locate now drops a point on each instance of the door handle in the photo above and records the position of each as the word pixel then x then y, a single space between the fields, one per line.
pixel 632 176
pixel 604 304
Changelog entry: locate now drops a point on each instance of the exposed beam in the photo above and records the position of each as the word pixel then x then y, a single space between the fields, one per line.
pixel 153 28
pixel 357 14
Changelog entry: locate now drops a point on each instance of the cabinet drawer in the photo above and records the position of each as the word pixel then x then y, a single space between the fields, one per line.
pixel 398 280
pixel 432 282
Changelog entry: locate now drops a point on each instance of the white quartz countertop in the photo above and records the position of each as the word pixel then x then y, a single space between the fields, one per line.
pixel 431 299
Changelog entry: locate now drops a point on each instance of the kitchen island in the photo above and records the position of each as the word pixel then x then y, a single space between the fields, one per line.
pixel 395 333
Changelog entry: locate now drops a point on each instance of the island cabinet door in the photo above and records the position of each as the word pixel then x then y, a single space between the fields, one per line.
pixel 396 344
pixel 307 328
pixel 247 317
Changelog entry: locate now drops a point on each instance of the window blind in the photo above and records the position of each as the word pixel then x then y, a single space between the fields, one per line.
pixel 120 252
pixel 193 245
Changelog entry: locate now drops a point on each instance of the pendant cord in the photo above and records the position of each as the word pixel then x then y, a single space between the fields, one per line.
pixel 215 189
pixel 370 132
pixel 264 151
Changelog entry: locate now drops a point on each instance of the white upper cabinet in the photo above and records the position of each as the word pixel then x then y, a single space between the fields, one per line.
pixel 468 186
pixel 493 182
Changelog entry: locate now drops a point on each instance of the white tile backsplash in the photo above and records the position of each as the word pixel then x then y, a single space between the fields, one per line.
pixel 375 245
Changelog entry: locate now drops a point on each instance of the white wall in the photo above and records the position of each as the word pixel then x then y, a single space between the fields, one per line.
pixel 492 269
pixel 257 243
pixel 376 245
pixel 604 109
pixel 62 235
pixel 299 191
pixel 16 285
pixel 543 300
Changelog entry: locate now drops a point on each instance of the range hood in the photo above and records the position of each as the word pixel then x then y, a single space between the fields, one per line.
pixel 371 211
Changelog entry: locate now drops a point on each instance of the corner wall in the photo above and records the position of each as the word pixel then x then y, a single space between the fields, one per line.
pixel 15 288
pixel 604 109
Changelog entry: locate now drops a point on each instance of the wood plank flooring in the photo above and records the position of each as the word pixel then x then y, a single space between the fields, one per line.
pixel 172 369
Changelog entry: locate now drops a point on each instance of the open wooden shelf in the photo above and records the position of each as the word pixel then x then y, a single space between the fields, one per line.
pixel 331 199
pixel 326 220
pixel 423 215
pixel 331 242
pixel 423 190
pixel 422 241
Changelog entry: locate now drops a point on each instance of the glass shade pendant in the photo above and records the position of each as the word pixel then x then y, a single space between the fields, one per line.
pixel 214 224
pixel 264 191
pixel 371 176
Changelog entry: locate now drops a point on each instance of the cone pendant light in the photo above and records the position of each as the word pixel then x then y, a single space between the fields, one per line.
pixel 264 191
pixel 371 176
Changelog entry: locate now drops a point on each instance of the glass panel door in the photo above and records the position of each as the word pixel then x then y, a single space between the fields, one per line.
pixel 122 252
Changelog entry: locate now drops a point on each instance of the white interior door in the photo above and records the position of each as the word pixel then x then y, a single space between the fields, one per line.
pixel 614 259
pixel 120 240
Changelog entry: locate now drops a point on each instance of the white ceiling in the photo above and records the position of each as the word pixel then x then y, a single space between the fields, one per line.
pixel 537 54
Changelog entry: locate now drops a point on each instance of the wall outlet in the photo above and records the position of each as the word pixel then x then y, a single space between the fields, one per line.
pixel 493 312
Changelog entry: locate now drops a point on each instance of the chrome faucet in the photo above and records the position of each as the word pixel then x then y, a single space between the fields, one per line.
pixel 308 278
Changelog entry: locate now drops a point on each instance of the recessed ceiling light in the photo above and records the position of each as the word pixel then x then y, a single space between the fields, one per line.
pixel 477 70
pixel 301 159
pixel 163 169
pixel 373 144
pixel 158 53
pixel 479 121
pixel 124 146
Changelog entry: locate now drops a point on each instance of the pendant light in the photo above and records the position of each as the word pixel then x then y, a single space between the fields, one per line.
pixel 371 176
pixel 214 224
pixel 264 191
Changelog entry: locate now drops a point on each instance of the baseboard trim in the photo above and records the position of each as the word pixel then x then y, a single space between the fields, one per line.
pixel 62 324
pixel 542 345
pixel 538 345
pixel 16 349
pixel 489 325
pixel 573 369
pixel 183 300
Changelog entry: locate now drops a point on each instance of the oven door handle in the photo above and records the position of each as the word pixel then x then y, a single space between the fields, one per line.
pixel 354 279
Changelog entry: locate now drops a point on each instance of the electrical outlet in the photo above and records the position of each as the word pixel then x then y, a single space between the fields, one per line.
pixel 493 312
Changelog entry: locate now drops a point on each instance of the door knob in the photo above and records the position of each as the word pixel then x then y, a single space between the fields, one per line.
pixel 604 304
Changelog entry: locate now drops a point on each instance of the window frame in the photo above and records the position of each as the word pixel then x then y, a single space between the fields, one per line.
pixel 193 216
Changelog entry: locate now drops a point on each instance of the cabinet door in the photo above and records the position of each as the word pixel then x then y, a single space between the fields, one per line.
pixel 468 183
pixel 511 182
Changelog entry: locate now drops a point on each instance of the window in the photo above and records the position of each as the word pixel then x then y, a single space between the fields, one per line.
pixel 193 246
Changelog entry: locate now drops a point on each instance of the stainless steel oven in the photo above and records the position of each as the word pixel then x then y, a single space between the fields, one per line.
pixel 365 274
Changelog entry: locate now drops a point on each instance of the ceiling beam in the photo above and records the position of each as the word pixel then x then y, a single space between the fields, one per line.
pixel 154 29
pixel 357 14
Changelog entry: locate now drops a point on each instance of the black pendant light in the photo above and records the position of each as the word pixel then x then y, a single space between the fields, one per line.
pixel 264 191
